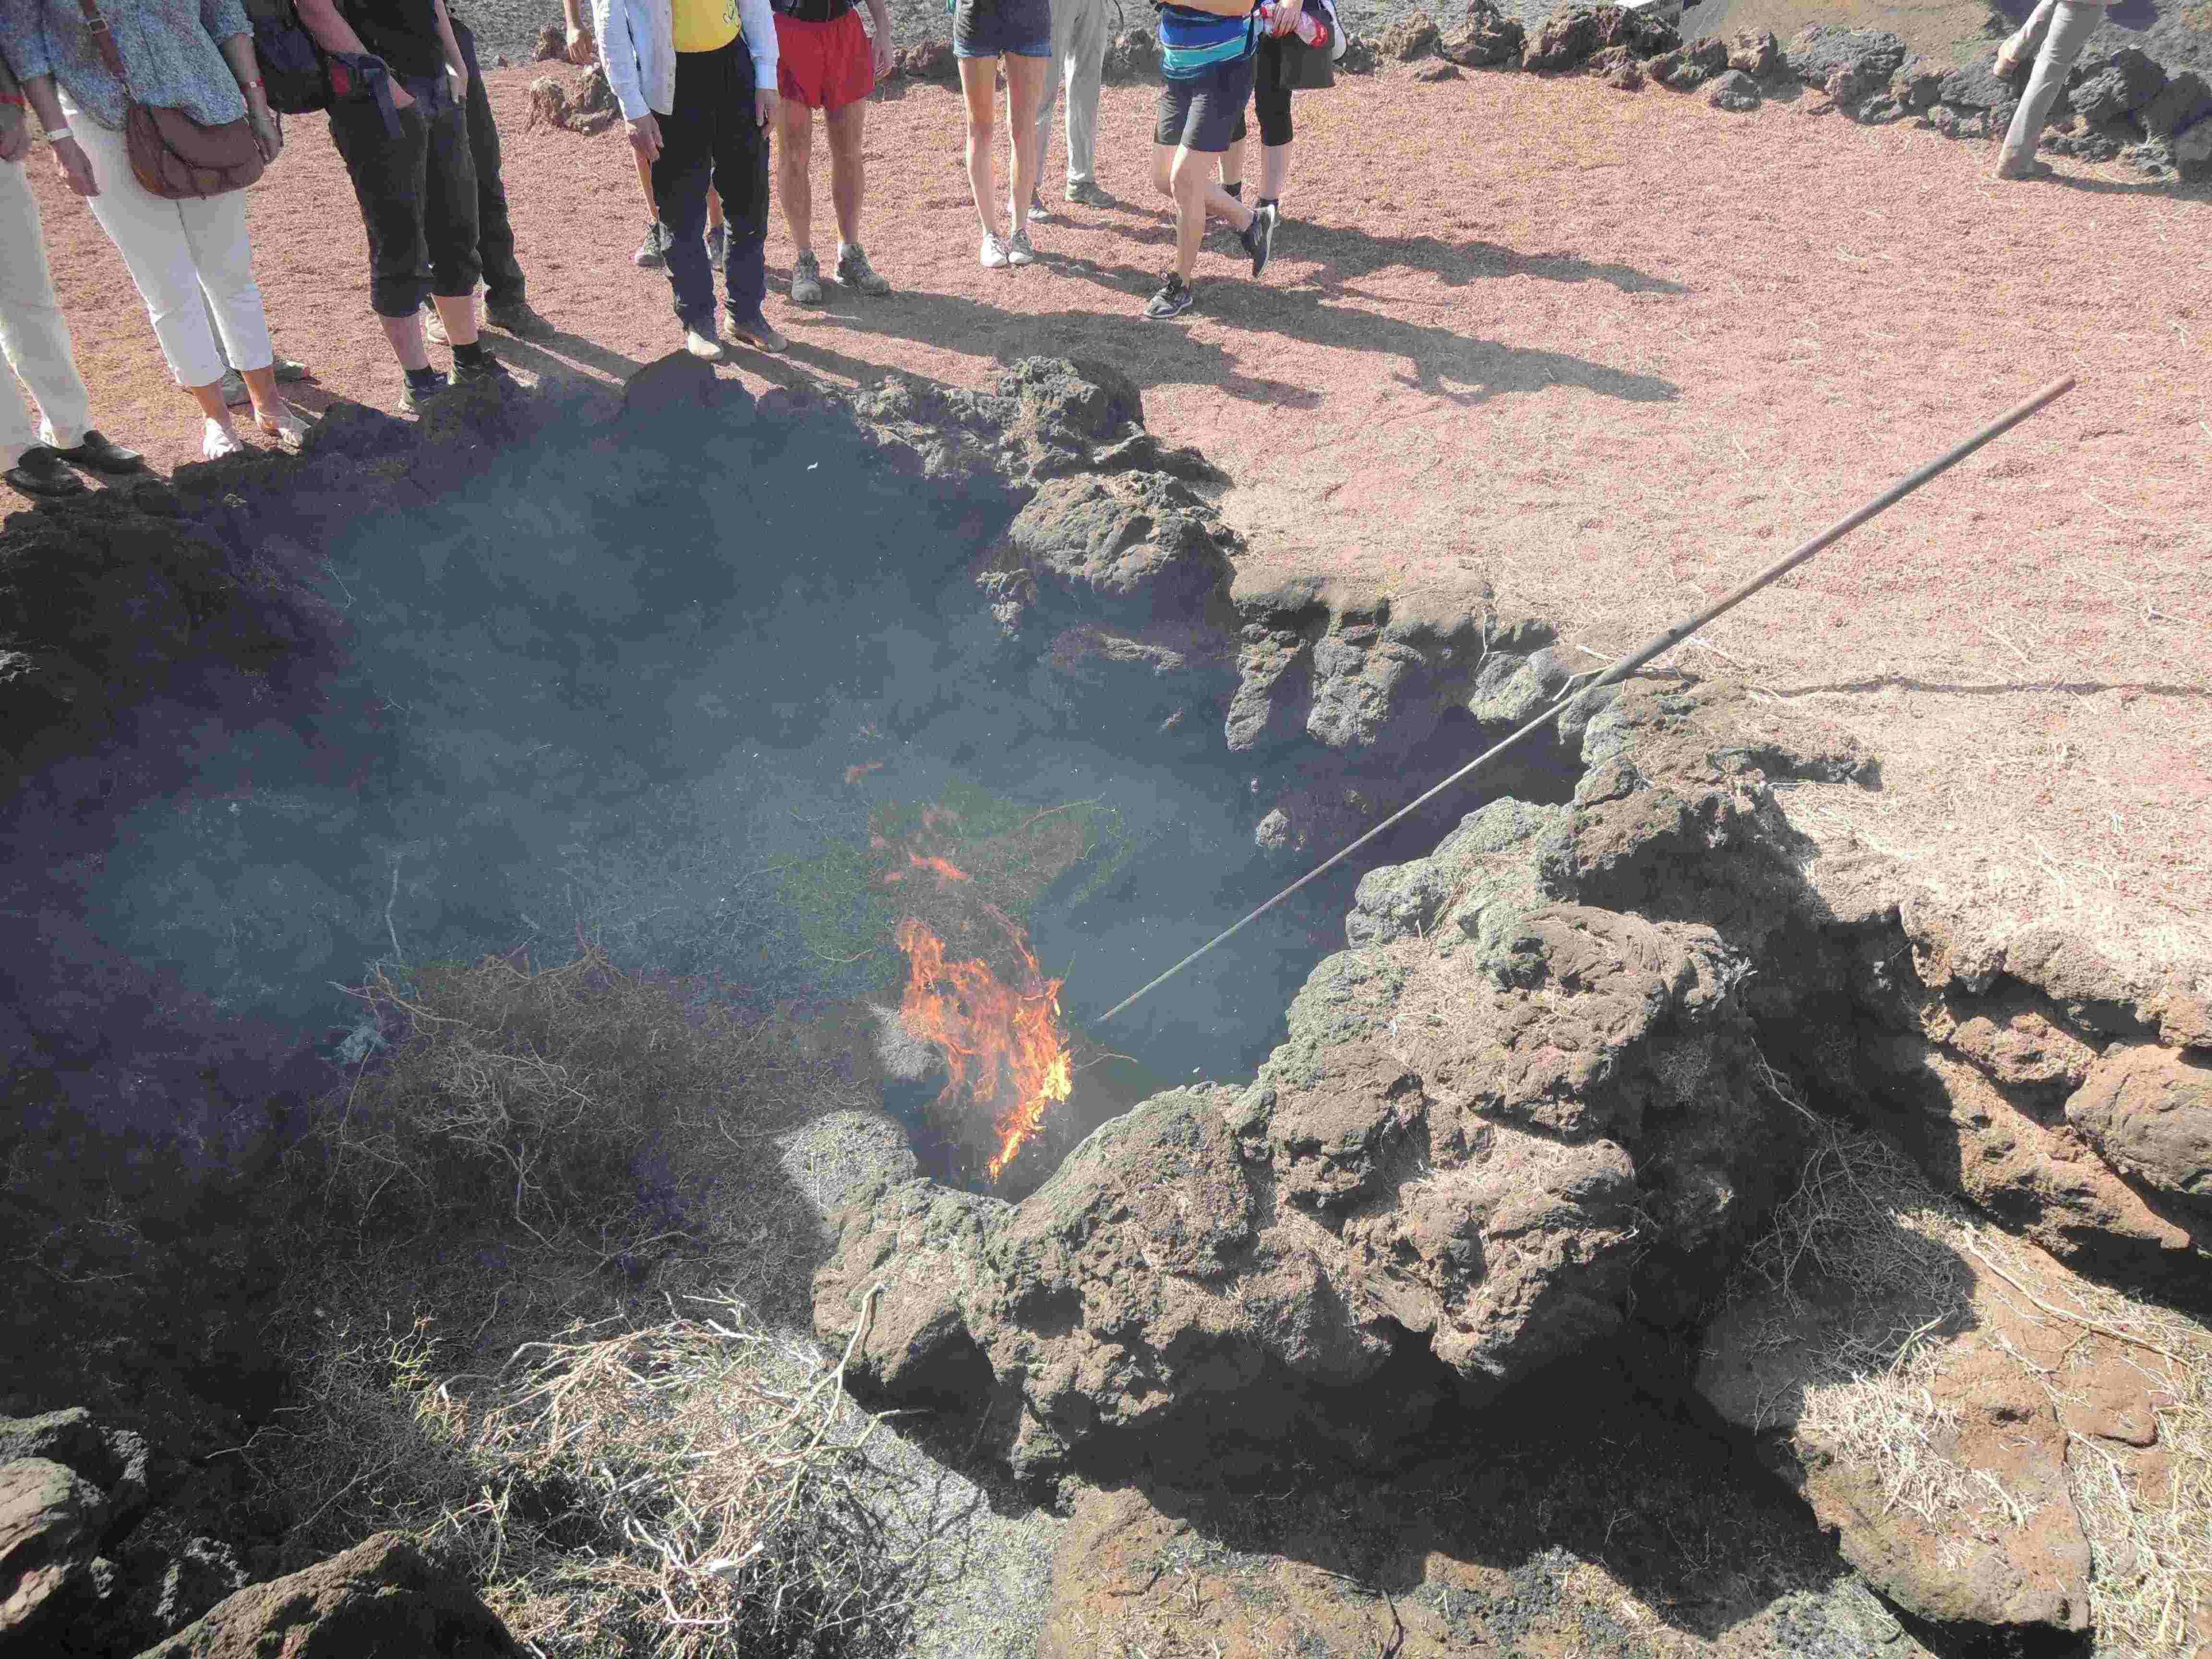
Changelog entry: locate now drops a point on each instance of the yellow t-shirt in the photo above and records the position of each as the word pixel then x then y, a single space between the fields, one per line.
pixel 705 25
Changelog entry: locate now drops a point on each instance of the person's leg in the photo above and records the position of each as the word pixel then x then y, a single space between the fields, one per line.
pixel 741 148
pixel 148 232
pixel 1272 105
pixel 2071 26
pixel 1063 29
pixel 222 255
pixel 1085 72
pixel 502 272
pixel 1025 81
pixel 2024 40
pixel 680 177
pixel 849 176
pixel 34 333
pixel 1230 169
pixel 979 79
pixel 386 173
pixel 449 225
pixel 794 144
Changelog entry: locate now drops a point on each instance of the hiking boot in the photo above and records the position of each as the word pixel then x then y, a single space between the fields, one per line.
pixel 1038 210
pixel 705 346
pixel 1086 192
pixel 992 255
pixel 806 279
pixel 413 397
pixel 718 245
pixel 651 253
pixel 1018 251
pixel 519 318
pixel 854 270
pixel 39 471
pixel 475 371
pixel 1258 239
pixel 1174 299
pixel 759 333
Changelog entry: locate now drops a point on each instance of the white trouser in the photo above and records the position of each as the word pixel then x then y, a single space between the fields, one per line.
pixel 176 251
pixel 1078 58
pixel 34 332
pixel 2071 26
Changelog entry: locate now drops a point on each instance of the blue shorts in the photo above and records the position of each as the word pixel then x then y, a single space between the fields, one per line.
pixel 1002 28
pixel 1203 112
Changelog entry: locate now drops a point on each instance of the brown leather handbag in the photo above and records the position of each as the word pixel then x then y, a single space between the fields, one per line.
pixel 174 156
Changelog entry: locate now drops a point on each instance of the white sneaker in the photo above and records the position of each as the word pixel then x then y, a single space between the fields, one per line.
pixel 992 256
pixel 1018 251
pixel 704 345
pixel 218 442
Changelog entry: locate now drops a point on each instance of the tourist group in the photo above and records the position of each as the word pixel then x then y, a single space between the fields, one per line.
pixel 158 114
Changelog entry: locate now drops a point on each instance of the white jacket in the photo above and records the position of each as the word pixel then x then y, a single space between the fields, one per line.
pixel 637 44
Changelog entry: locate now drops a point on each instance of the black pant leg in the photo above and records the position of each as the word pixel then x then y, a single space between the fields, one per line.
pixel 388 182
pixel 681 174
pixel 502 273
pixel 449 205
pixel 741 154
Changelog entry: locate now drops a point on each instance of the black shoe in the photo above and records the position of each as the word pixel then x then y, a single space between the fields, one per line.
pixel 413 397
pixel 96 453
pixel 39 472
pixel 1258 239
pixel 478 369
pixel 1174 298
pixel 519 318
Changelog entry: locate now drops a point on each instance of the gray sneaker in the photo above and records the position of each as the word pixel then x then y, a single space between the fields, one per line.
pixel 650 255
pixel 854 270
pixel 1018 251
pixel 806 279
pixel 1086 192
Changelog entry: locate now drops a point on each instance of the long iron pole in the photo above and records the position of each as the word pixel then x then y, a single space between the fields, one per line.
pixel 1659 646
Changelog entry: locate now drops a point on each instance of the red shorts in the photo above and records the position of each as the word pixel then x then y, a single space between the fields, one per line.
pixel 824 65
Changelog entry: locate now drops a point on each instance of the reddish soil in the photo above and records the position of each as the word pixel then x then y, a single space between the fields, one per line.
pixel 1611 352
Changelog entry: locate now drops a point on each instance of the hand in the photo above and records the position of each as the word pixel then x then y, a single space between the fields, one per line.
pixel 764 103
pixel 645 137
pixel 268 134
pixel 76 167
pixel 581 47
pixel 15 134
pixel 460 74
pixel 882 54
pixel 401 98
pixel 1287 13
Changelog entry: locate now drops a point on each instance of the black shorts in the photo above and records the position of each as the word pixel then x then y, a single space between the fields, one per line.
pixel 1198 111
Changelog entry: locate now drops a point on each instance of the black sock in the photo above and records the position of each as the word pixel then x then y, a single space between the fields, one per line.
pixel 424 377
pixel 470 354
pixel 1235 189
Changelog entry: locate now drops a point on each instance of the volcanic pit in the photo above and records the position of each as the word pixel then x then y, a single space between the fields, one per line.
pixel 939 723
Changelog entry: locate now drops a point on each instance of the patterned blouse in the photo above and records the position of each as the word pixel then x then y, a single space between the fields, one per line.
pixel 168 47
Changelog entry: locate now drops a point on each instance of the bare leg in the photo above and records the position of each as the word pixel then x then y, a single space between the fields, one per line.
pixel 458 314
pixel 209 398
pixel 794 145
pixel 848 167
pixel 405 334
pixel 1233 164
pixel 713 209
pixel 979 85
pixel 1274 170
pixel 1025 79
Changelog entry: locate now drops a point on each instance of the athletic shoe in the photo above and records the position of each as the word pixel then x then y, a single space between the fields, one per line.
pixel 219 440
pixel 1038 210
pixel 806 279
pixel 1174 299
pixel 651 253
pixel 1086 192
pixel 854 270
pixel 718 245
pixel 482 368
pixel 1258 239
pixel 759 333
pixel 519 318
pixel 412 398
pixel 705 346
pixel 1018 251
pixel 992 256
pixel 39 471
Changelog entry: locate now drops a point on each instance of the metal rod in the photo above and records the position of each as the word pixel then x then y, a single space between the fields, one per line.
pixel 1658 646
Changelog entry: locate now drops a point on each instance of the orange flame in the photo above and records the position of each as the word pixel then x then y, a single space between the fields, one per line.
pixel 1000 1041
pixel 945 869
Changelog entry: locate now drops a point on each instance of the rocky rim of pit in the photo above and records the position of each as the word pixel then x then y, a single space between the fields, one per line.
pixel 1545 1106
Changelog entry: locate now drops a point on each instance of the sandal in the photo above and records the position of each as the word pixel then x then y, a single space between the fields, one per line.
pixel 286 427
pixel 219 442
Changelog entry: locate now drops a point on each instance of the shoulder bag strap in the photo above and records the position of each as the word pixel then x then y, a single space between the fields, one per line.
pixel 103 39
